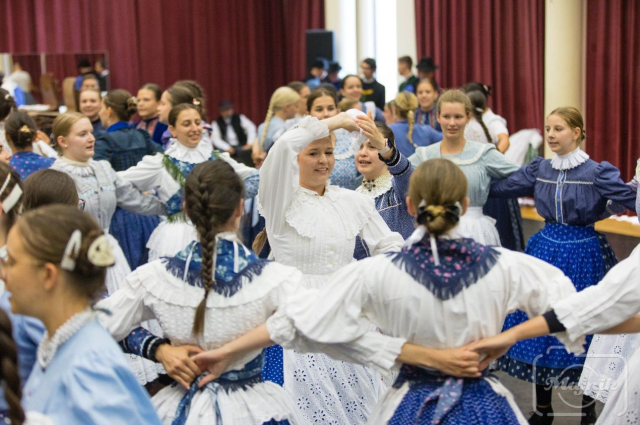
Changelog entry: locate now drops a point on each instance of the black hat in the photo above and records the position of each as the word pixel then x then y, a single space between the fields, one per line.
pixel 371 62
pixel 426 64
pixel 319 63
pixel 84 63
pixel 334 67
pixel 225 105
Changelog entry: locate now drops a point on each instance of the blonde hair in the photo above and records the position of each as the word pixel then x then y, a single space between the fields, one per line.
pixel 443 186
pixel 455 96
pixel 62 126
pixel 406 104
pixel 280 98
pixel 574 119
pixel 346 104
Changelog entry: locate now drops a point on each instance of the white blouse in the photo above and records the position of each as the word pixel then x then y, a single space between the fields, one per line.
pixel 315 233
pixel 150 173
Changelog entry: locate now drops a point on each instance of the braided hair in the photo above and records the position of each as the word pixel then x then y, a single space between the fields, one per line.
pixel 406 104
pixel 479 102
pixel 9 371
pixel 213 192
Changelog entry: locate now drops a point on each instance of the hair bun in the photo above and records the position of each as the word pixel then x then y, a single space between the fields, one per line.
pixel 132 101
pixel 434 211
pixel 26 129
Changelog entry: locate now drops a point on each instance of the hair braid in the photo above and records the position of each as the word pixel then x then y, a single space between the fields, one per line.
pixel 411 119
pixel 267 120
pixel 9 371
pixel 213 192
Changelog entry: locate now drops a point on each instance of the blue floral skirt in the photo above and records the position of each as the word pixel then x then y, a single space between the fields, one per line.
pixel 585 256
pixel 132 231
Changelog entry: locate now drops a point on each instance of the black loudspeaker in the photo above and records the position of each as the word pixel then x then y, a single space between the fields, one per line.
pixel 320 44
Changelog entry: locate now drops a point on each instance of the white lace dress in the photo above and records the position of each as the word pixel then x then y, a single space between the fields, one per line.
pixel 100 190
pixel 317 235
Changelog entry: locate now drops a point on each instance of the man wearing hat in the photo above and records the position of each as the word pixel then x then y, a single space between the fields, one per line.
pixel 372 90
pixel 233 133
pixel 427 68
pixel 332 75
pixel 318 73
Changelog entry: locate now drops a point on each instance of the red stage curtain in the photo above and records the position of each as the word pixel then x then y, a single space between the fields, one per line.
pixel 497 42
pixel 237 50
pixel 613 83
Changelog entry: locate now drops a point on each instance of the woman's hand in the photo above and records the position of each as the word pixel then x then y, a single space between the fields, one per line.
pixel 342 120
pixel 40 135
pixel 494 347
pixel 178 363
pixel 369 129
pixel 460 362
pixel 215 362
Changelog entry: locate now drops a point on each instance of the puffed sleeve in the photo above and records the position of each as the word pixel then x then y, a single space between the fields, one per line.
pixel 103 148
pixel 249 175
pixel 279 175
pixel 401 170
pixel 612 301
pixel 102 393
pixel 147 174
pixel 216 138
pixel 609 185
pixel 520 183
pixel 378 237
pixel 535 286
pixel 127 308
pixel 498 166
pixel 331 321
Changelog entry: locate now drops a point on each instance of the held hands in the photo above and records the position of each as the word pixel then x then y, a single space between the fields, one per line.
pixel 215 362
pixel 460 362
pixel 178 363
pixel 493 347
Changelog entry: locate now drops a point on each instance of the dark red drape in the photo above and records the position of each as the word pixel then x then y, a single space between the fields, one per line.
pixel 237 50
pixel 496 42
pixel 613 83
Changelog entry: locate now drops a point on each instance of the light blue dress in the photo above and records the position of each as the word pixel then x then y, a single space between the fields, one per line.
pixel 88 381
pixel 277 127
pixel 423 135
pixel 345 174
pixel 27 333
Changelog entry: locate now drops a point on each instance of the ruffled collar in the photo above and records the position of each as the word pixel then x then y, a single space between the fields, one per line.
pixel 76 168
pixel 201 153
pixel 49 345
pixel 570 160
pixel 376 187
pixel 330 192
pixel 233 263
pixel 462 263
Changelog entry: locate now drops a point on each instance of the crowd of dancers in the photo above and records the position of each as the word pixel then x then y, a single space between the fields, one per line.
pixel 378 278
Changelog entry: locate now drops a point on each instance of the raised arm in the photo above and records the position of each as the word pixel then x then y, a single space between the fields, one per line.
pixel 520 183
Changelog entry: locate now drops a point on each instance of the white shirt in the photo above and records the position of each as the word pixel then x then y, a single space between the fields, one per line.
pixel 23 79
pixel 232 138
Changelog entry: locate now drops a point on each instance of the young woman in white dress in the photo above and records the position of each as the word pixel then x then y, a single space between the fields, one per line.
pixel 440 291
pixel 166 173
pixel 313 226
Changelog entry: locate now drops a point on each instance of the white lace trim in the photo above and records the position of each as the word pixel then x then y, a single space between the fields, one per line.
pixel 472 160
pixel 570 160
pixel 201 153
pixel 49 346
pixel 381 185
pixel 318 128
pixel 302 215
pixel 81 169
pixel 157 281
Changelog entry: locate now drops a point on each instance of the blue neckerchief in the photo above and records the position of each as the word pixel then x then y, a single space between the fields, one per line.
pixel 233 263
pixel 234 379
pixel 186 167
pixel 446 396
pixel 462 263
pixel 117 126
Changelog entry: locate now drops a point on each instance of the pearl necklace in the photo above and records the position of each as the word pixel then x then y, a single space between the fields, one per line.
pixel 49 346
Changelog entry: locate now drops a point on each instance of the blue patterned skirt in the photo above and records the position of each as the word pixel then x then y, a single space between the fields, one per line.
pixel 476 403
pixel 585 256
pixel 132 231
pixel 272 369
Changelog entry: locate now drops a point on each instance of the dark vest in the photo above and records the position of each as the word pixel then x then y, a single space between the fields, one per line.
pixel 235 124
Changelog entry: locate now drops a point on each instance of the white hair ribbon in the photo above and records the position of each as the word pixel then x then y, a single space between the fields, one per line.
pixel 71 251
pixel 12 199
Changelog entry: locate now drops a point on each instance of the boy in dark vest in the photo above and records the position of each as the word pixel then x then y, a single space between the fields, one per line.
pixel 233 133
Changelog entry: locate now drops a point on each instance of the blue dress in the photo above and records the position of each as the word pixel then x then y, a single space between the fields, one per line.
pixel 378 115
pixel 27 333
pixel 88 382
pixel 391 201
pixel 153 127
pixel 27 163
pixel 571 201
pixel 277 127
pixel 98 128
pixel 422 135
pixel 124 147
pixel 345 174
